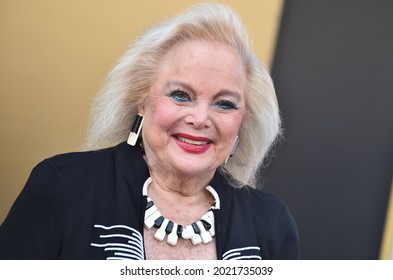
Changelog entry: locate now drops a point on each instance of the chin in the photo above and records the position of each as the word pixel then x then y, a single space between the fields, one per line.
pixel 194 168
pixel 189 164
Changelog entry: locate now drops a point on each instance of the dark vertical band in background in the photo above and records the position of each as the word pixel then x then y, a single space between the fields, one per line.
pixel 333 72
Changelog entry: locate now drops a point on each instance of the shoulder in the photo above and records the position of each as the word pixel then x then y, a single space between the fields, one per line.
pixel 259 200
pixel 269 206
pixel 270 214
pixel 74 165
pixel 80 158
pixel 85 159
pixel 266 209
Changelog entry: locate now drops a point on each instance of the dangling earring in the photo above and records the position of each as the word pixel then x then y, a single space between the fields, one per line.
pixel 135 130
pixel 233 149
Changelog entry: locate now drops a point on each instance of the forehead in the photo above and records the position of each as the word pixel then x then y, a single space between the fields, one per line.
pixel 203 58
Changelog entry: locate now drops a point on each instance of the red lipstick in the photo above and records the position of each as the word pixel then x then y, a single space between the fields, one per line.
pixel 192 144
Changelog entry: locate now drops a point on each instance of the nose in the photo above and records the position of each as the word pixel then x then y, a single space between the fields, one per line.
pixel 199 116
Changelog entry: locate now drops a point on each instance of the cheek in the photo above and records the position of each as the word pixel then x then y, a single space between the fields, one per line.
pixel 163 115
pixel 231 125
pixel 228 129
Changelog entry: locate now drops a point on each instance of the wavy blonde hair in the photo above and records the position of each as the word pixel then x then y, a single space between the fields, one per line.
pixel 129 82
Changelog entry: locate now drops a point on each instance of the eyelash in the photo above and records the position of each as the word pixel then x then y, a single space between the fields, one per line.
pixel 180 96
pixel 226 105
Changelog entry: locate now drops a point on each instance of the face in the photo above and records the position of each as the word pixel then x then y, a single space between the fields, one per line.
pixel 194 109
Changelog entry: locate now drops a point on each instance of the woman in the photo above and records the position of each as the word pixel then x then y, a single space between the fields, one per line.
pixel 204 114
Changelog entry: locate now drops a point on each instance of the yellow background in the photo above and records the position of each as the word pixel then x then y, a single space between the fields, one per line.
pixel 54 57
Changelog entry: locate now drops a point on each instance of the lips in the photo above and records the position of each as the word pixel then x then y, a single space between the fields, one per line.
pixel 192 144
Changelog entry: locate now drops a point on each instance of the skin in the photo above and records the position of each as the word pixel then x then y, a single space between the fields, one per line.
pixel 199 95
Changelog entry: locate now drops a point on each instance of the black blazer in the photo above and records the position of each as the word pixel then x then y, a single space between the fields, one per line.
pixel 89 205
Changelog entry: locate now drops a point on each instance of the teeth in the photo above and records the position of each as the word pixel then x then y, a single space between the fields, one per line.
pixel 194 142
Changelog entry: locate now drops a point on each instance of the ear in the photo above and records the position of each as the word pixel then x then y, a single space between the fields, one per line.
pixel 141 109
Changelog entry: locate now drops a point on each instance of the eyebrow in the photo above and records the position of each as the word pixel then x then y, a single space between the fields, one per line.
pixel 223 92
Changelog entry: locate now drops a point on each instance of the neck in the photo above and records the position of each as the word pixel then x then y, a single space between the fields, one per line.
pixel 183 185
pixel 183 201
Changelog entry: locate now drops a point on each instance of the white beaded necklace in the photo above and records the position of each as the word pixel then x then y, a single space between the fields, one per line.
pixel 201 231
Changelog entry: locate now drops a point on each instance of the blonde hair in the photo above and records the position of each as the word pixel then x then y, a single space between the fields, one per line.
pixel 129 82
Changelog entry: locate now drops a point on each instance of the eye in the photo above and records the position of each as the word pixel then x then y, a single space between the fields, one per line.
pixel 226 105
pixel 179 96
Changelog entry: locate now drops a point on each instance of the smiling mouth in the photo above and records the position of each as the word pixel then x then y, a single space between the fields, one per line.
pixel 193 142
